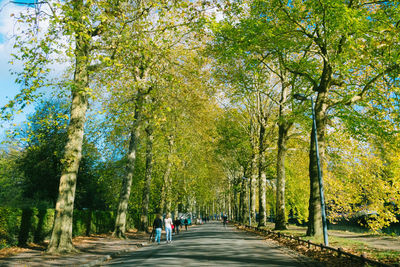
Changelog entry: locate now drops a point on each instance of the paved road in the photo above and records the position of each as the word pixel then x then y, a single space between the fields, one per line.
pixel 212 245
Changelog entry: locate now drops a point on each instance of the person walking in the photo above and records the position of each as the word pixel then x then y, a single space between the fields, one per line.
pixel 225 220
pixel 168 227
pixel 186 223
pixel 177 223
pixel 157 225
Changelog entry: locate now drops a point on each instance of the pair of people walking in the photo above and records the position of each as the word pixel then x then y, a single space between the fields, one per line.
pixel 157 225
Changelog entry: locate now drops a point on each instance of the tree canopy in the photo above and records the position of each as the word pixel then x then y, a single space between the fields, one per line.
pixel 188 107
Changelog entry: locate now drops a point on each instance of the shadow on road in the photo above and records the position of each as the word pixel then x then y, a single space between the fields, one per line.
pixel 210 245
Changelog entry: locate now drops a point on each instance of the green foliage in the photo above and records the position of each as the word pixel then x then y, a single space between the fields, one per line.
pixel 9 219
pixel 348 49
pixel 344 52
pixel 11 178
pixel 363 180
pixel 88 222
pixel 22 226
pixel 44 139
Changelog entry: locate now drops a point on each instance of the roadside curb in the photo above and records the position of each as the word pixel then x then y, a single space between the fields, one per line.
pixel 112 255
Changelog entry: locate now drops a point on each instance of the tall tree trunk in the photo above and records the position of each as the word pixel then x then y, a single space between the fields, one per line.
pixel 315 227
pixel 169 193
pixel 242 204
pixel 176 210
pixel 166 202
pixel 283 130
pixel 229 202
pixel 280 219
pixel 122 211
pixel 235 205
pixel 61 237
pixel 262 176
pixel 146 190
pixel 253 185
pixel 165 187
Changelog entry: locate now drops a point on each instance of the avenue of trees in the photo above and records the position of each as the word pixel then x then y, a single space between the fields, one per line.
pixel 145 106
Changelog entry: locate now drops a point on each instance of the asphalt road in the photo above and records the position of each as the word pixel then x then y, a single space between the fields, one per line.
pixel 212 245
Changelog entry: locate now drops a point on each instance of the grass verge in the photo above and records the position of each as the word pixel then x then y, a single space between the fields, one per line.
pixel 348 244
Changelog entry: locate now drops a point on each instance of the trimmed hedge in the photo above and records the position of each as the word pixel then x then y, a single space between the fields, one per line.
pixel 9 219
pixel 22 226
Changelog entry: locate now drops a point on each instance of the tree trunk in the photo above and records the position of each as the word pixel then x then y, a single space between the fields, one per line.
pixel 235 205
pixel 283 130
pixel 280 219
pixel 120 221
pixel 146 190
pixel 61 237
pixel 166 200
pixel 168 175
pixel 242 204
pixel 262 192
pixel 176 210
pixel 253 186
pixel 229 203
pixel 165 205
pixel 262 177
pixel 315 227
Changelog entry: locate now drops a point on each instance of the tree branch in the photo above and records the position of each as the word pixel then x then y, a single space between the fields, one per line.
pixel 368 85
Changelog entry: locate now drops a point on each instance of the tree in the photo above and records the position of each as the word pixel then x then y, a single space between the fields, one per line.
pixel 141 57
pixel 329 36
pixel 44 140
pixel 11 178
pixel 74 30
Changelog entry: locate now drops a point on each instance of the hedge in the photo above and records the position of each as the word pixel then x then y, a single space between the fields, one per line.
pixel 22 226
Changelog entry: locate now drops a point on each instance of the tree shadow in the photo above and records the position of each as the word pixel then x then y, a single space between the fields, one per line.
pixel 25 227
pixel 39 235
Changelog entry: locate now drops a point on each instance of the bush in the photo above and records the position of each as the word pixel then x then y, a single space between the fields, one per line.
pixel 10 219
pixel 22 226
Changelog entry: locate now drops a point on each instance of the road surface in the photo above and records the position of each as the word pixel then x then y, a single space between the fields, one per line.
pixel 213 245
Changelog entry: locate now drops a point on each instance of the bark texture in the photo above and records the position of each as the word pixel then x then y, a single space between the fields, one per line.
pixel 144 223
pixel 166 196
pixel 262 179
pixel 61 237
pixel 253 187
pixel 280 221
pixel 283 130
pixel 235 205
pixel 242 201
pixel 315 227
pixel 122 211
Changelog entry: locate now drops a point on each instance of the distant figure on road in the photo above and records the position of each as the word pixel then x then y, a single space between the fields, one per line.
pixel 177 223
pixel 224 220
pixel 186 222
pixel 157 225
pixel 168 227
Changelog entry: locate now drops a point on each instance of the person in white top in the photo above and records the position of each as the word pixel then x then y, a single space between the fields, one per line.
pixel 168 227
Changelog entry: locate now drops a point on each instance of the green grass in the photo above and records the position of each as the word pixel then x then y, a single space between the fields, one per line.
pixel 354 246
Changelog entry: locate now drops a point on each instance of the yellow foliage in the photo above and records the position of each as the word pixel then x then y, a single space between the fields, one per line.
pixel 361 179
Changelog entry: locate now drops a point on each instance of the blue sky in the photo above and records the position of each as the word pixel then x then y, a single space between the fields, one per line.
pixel 8 89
